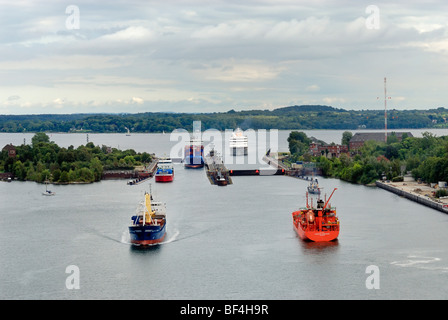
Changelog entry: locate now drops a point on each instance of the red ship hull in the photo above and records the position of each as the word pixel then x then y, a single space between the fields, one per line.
pixel 318 224
pixel 164 178
pixel 194 166
pixel 316 236
pixel 148 242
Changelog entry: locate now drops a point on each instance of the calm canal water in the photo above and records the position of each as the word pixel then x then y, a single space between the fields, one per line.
pixel 233 242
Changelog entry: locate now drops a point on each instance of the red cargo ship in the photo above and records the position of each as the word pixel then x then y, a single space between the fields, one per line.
pixel 318 223
pixel 165 170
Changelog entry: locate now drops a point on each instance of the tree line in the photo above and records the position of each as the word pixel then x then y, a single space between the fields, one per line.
pixel 303 117
pixel 44 160
pixel 426 158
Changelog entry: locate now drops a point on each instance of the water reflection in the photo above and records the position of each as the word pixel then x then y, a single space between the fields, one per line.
pixel 144 249
pixel 311 247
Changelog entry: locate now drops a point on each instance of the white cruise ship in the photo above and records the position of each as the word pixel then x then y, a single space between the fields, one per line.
pixel 238 143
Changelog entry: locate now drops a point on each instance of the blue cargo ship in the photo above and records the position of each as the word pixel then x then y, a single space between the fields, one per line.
pixel 194 154
pixel 149 224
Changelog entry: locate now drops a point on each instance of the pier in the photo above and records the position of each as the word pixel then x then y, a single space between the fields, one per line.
pixel 258 172
pixel 273 162
pixel 219 174
pixel 306 169
pixel 118 174
pixel 415 192
pixel 6 176
pixel 145 174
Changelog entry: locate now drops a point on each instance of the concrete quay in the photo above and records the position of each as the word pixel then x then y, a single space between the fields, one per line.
pixel 417 192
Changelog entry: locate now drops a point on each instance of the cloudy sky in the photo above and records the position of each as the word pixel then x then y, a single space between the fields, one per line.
pixel 206 56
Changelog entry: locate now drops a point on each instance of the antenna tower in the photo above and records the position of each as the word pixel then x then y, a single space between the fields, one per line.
pixel 385 111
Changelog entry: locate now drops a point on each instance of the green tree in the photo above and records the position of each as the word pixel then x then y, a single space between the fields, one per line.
pixel 86 175
pixel 298 143
pixel 39 137
pixel 129 160
pixel 56 175
pixel 44 175
pixel 72 176
pixel 64 177
pixel 31 174
pixel 19 170
pixel 97 168
pixel 346 137
pixel 146 157
pixel 326 165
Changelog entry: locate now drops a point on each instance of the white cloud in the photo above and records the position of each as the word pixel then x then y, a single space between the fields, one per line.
pixel 58 101
pixel 137 100
pixel 114 81
pixel 308 28
pixel 312 88
pixel 132 33
pixel 64 62
pixel 240 71
pixel 197 54
pixel 333 100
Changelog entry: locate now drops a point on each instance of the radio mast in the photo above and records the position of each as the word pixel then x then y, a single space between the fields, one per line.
pixel 385 111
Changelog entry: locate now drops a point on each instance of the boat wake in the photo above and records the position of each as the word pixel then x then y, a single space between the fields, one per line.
pixel 125 237
pixel 421 262
pixel 195 234
pixel 98 233
pixel 170 237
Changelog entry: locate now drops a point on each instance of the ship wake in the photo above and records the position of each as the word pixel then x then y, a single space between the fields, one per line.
pixel 171 236
pixel 421 262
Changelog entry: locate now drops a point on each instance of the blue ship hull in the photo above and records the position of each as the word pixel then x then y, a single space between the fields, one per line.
pixel 148 234
pixel 194 162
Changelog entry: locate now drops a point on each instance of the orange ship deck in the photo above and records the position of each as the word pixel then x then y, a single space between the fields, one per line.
pixel 316 223
pixel 312 232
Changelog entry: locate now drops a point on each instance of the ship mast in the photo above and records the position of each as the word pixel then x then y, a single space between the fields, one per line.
pixel 307 205
pixel 326 203
pixel 144 213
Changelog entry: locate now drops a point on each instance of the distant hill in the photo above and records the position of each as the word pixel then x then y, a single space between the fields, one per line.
pixel 303 117
pixel 306 108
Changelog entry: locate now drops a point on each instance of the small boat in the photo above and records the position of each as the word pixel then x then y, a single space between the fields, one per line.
pixel 165 170
pixel 238 143
pixel 48 192
pixel 149 224
pixel 221 180
pixel 313 187
pixel 318 223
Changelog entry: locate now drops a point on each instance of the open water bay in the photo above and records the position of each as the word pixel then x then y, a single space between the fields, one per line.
pixel 233 242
